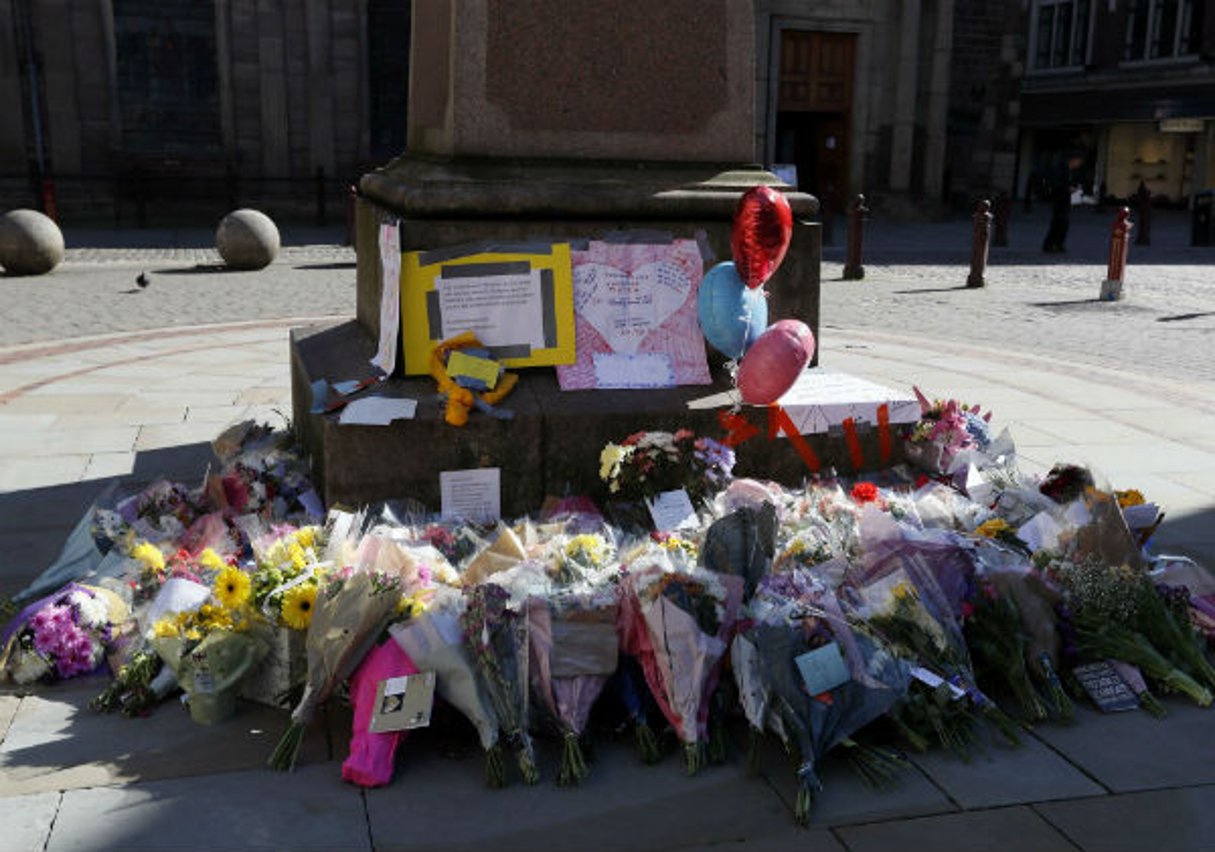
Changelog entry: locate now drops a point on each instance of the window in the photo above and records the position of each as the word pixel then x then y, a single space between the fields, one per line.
pixel 167 78
pixel 1060 33
pixel 1161 29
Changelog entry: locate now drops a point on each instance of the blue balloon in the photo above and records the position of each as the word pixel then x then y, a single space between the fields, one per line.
pixel 732 315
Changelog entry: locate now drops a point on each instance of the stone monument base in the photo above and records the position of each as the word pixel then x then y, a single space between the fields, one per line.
pixel 550 448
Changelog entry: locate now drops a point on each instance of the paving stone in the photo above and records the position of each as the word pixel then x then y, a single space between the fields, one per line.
pixel 308 809
pixel 56 743
pixel 622 805
pixel 8 709
pixel 1007 776
pixel 845 798
pixel 27 820
pixel 1012 829
pixel 1179 820
pixel 1135 751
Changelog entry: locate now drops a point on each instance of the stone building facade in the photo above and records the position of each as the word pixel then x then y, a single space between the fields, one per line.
pixel 151 108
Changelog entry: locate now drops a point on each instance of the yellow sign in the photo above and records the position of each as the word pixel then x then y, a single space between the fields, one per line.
pixel 519 301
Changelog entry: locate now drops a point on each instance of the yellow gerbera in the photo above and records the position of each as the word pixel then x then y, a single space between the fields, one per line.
pixel 150 555
pixel 298 604
pixel 232 587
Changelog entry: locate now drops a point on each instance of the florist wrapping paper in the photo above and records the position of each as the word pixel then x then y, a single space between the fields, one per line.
pixel 284 666
pixel 635 316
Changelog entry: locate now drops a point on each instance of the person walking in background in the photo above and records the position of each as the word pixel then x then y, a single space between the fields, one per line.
pixel 1060 195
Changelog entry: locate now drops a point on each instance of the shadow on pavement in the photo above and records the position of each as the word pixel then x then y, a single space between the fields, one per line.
pixel 35 522
pixel 196 269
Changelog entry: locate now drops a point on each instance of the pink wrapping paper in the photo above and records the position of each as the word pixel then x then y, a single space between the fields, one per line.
pixel 370 763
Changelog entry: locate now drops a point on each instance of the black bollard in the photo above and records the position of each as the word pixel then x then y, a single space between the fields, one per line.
pixel 854 270
pixel 1143 209
pixel 979 244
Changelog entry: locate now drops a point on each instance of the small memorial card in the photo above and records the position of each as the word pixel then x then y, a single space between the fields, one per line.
pixel 933 680
pixel 823 669
pixel 402 703
pixel 673 510
pixel 1106 687
pixel 474 494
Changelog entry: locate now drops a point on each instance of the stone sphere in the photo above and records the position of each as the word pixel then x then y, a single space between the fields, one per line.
pixel 247 239
pixel 30 243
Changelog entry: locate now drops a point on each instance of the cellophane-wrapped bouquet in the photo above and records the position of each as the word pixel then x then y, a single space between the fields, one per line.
pixel 676 620
pixel 61 636
pixel 794 615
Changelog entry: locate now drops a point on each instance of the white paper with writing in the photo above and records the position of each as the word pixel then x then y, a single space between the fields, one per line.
pixel 390 297
pixel 642 370
pixel 673 510
pixel 503 310
pixel 474 494
pixel 822 398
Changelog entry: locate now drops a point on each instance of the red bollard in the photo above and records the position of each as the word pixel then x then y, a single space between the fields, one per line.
pixel 980 244
pixel 1120 241
pixel 48 200
pixel 853 269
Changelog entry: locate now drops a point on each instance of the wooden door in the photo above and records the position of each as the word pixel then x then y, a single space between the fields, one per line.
pixel 814 109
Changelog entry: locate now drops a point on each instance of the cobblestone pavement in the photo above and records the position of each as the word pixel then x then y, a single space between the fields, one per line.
pixel 1038 303
pixel 94 291
pixel 915 279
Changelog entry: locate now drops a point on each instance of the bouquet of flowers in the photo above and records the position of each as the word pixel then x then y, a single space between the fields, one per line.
pixel 432 639
pixel 61 636
pixel 742 542
pixel 209 650
pixel 352 609
pixel 945 429
pixel 677 623
pixel 902 604
pixel 1118 612
pixel 822 680
pixel 496 638
pixel 573 646
pixel 648 463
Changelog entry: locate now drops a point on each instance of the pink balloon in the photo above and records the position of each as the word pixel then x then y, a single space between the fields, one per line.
pixel 774 362
pixel 760 235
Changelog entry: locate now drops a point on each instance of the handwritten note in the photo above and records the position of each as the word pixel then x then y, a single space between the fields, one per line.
pixel 643 370
pixel 673 510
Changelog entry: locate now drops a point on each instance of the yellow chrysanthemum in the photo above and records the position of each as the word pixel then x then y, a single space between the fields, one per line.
pixel 586 547
pixel 211 560
pixel 298 604
pixel 299 559
pixel 150 555
pixel 411 607
pixel 306 537
pixel 1129 497
pixel 993 527
pixel 232 587
pixel 165 628
pixel 610 460
pixel 903 590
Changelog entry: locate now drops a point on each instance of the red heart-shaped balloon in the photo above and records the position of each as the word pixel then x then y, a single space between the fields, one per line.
pixel 763 227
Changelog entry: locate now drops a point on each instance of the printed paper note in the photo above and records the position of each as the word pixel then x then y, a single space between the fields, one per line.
pixel 474 494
